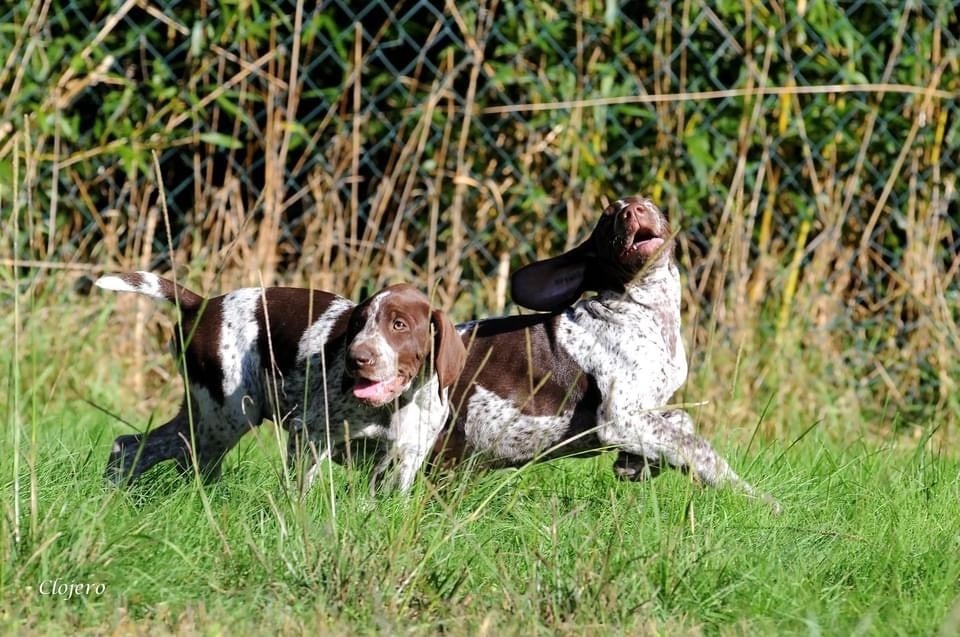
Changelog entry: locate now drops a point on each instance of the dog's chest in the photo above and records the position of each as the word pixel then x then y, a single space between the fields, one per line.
pixel 636 364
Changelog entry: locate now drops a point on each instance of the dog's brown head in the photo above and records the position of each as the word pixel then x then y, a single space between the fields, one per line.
pixel 631 232
pixel 389 337
pixel 631 238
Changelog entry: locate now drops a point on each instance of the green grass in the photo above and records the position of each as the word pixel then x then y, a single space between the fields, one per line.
pixel 867 544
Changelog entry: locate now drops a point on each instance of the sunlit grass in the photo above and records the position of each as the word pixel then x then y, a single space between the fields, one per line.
pixel 867 541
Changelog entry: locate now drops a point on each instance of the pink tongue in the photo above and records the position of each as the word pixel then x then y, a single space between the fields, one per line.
pixel 370 389
pixel 649 246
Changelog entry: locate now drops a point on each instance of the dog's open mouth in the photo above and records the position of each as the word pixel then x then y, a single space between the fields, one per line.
pixel 377 392
pixel 644 244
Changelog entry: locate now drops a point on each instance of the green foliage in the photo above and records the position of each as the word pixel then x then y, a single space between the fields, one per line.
pixel 536 53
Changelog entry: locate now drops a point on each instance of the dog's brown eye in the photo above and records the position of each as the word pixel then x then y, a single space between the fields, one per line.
pixel 399 325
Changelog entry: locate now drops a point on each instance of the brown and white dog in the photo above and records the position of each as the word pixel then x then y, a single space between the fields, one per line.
pixel 326 370
pixel 592 374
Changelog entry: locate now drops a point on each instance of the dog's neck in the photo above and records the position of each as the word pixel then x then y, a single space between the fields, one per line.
pixel 423 390
pixel 657 290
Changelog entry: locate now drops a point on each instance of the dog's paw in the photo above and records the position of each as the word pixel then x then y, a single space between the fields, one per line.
pixel 775 507
pixel 635 468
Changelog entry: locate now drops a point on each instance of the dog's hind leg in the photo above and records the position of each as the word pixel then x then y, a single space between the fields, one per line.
pixel 636 468
pixel 133 454
pixel 217 428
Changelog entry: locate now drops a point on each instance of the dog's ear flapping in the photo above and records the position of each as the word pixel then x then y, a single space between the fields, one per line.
pixel 449 354
pixel 551 284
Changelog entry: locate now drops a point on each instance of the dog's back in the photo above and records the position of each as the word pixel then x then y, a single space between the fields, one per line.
pixel 239 352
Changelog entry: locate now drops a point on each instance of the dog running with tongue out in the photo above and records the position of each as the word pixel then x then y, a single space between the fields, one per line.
pixel 326 370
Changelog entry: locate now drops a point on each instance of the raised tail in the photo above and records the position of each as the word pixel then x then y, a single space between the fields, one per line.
pixel 150 284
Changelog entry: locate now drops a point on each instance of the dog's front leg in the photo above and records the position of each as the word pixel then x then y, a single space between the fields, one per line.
pixel 413 432
pixel 668 437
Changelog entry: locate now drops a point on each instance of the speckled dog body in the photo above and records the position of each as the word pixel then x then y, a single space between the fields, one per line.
pixel 592 374
pixel 592 381
pixel 289 355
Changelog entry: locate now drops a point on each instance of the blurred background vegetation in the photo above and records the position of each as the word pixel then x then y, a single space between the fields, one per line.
pixel 807 150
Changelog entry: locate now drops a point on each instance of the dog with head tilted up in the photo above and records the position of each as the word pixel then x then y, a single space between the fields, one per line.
pixel 591 374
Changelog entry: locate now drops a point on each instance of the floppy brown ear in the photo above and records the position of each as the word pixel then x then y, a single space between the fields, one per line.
pixel 449 354
pixel 551 284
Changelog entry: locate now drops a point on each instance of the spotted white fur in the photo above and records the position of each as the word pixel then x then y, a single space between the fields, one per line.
pixel 629 343
pixel 635 369
pixel 239 331
pixel 414 431
pixel 316 336
pixel 218 425
pixel 148 285
pixel 526 437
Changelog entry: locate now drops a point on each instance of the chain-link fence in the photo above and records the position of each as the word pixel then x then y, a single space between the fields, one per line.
pixel 808 149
